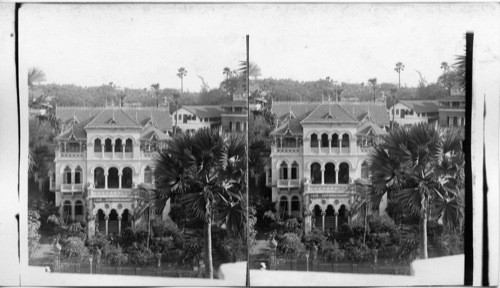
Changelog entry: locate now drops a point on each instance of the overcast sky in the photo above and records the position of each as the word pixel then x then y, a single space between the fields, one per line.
pixel 136 45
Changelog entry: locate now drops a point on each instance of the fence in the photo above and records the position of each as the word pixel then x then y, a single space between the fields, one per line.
pixel 87 268
pixel 319 266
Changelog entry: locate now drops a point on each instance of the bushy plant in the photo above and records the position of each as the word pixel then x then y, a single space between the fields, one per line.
pixel 74 249
pixel 140 255
pixel 114 255
pixel 382 224
pixel 449 243
pixel 164 228
pixel 356 251
pixel 290 245
pixel 75 230
pixel 316 237
pixel 347 232
pixel 99 241
pixel 408 251
pixel 45 209
pixel 192 252
pixel 33 235
pixel 329 251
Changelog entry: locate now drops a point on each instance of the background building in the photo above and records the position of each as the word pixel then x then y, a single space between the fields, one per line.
pixel 192 118
pixel 452 108
pixel 319 150
pixel 409 112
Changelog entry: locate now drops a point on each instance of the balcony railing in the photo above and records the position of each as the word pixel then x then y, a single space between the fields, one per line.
pixel 326 188
pixel 288 183
pixel 314 150
pixel 75 155
pixel 111 193
pixel 72 187
pixel 288 149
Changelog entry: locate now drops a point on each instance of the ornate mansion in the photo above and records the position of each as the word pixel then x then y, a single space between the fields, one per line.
pixel 102 154
pixel 317 151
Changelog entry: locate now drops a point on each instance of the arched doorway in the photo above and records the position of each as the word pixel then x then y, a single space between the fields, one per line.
pixel 343 215
pixel 295 206
pixel 330 173
pixel 108 147
pixel 330 218
pixel 314 140
pixel 318 218
pixel 118 145
pixel 126 219
pixel 113 222
pixel 99 178
pixel 343 173
pixel 67 175
pixel 128 145
pixel 283 207
pixel 78 175
pixel 127 178
pixel 324 140
pixel 101 222
pixel 283 171
pixel 335 140
pixel 97 145
pixel 316 173
pixel 113 179
pixel 67 211
pixel 79 211
pixel 295 170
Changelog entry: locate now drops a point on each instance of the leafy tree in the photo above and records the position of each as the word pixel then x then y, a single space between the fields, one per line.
pixel 206 169
pixel 33 227
pixel 421 167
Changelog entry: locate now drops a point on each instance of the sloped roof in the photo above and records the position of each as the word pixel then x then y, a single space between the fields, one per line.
pixel 458 98
pixel 292 124
pixel 369 125
pixel 112 117
pixel 298 108
pixel 421 106
pixel 148 132
pixel 161 116
pixel 378 111
pixel 329 113
pixel 207 111
pixel 82 113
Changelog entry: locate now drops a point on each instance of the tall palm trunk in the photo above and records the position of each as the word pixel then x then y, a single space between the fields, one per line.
pixel 207 233
pixel 366 216
pixel 149 227
pixel 423 235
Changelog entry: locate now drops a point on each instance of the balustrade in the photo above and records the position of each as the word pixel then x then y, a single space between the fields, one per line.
pixel 288 182
pixel 71 187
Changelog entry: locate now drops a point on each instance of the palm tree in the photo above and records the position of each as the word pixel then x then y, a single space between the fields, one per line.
pixel 181 73
pixel 227 72
pixel 156 89
pixel 361 189
pixel 373 82
pixel 176 97
pixel 420 167
pixel 206 169
pixel 445 67
pixel 146 205
pixel 399 67
pixel 393 94
pixel 35 75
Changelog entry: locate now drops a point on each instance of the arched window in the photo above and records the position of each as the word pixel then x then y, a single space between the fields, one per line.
pixel 78 175
pixel 343 173
pixel 365 170
pixel 73 147
pixel 295 170
pixel 289 142
pixel 283 206
pixel 128 145
pixel 343 215
pixel 330 217
pixel 127 178
pixel 66 210
pixel 238 126
pixel 318 219
pixel 148 175
pixel 107 145
pixel 345 141
pixel 335 140
pixel 67 175
pixel 283 171
pixel 113 178
pixel 118 145
pixel 330 173
pixel 126 219
pixel 97 145
pixel 295 206
pixel 316 173
pixel 314 141
pixel 99 178
pixel 324 140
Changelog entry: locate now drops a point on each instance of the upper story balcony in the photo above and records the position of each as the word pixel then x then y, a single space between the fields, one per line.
pixel 326 188
pixel 288 183
pixel 330 150
pixel 287 150
pixel 72 187
pixel 110 193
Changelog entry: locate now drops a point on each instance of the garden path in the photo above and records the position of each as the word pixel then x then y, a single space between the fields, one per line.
pixel 44 255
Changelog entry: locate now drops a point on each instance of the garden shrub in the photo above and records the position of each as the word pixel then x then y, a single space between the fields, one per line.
pixel 99 241
pixel 192 252
pixel 315 237
pixel 75 230
pixel 33 235
pixel 449 243
pixel 290 245
pixel 329 251
pixel 356 251
pixel 408 250
pixel 382 224
pixel 141 256
pixel 164 228
pixel 45 209
pixel 74 249
pixel 114 255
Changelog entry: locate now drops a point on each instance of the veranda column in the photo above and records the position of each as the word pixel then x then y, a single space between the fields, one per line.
pixel 307 221
pixel 289 174
pixel 322 175
pixel 73 211
pixel 340 144
pixel 102 150
pixel 336 220
pixel 106 218
pixel 113 150
pixel 289 207
pixel 330 143
pixel 106 180
pixel 323 214
pixel 124 143
pixel 119 225
pixel 120 180
pixel 90 226
pixel 336 175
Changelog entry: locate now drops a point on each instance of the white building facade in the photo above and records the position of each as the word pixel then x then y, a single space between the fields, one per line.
pixel 193 117
pixel 102 155
pixel 318 152
pixel 410 112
